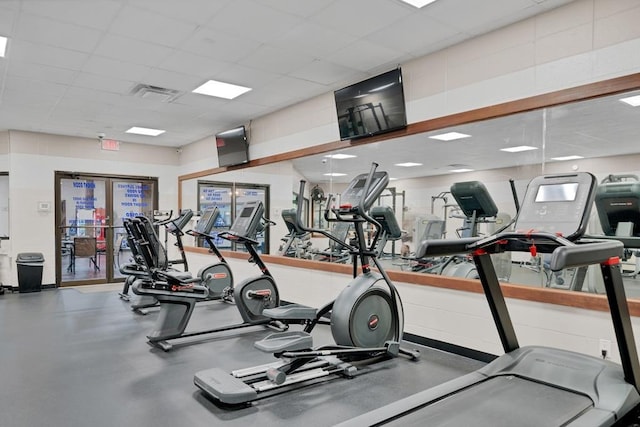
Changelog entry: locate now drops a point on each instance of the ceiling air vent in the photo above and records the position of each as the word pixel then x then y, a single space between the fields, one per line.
pixel 154 93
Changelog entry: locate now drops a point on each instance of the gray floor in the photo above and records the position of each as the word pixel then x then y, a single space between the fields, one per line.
pixel 71 358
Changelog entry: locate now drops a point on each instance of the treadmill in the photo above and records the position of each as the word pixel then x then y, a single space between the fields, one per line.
pixel 534 386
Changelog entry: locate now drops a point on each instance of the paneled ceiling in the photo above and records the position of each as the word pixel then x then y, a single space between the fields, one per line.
pixel 71 66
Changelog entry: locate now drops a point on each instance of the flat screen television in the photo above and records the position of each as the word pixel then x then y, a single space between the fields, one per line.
pixel 373 106
pixel 232 146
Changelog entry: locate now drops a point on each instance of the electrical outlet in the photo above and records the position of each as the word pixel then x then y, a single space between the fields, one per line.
pixel 605 348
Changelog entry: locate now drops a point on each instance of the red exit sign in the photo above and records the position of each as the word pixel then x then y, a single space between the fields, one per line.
pixel 110 145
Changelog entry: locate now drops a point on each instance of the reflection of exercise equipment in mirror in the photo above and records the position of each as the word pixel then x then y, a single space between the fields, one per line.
pixel 534 385
pixel 477 207
pixel 618 206
pixel 297 242
pixel 363 119
pixel 317 200
pixel 367 319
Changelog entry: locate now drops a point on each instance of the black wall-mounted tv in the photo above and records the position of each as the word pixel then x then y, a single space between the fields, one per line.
pixel 232 146
pixel 373 106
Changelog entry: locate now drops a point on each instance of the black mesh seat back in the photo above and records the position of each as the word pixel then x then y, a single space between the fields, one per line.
pixel 158 250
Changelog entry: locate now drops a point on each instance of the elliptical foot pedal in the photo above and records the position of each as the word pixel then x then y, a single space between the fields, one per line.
pixel 223 387
pixel 162 345
pixel 285 341
pixel 124 297
pixel 291 312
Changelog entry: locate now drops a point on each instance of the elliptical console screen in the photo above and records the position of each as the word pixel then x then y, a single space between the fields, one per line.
pixel 559 204
pixel 353 193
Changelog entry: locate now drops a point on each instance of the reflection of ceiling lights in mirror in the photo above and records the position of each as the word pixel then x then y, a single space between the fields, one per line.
pixel 335 174
pixel 408 164
pixel 221 89
pixel 145 131
pixel 634 101
pixel 383 87
pixel 418 3
pixel 339 156
pixel 3 46
pixel 450 136
pixel 460 170
pixel 518 149
pixel 565 158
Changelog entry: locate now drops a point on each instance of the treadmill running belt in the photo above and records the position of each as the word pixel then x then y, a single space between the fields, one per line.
pixel 504 401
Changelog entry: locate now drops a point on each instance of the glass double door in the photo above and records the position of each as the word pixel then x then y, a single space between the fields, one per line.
pixel 91 240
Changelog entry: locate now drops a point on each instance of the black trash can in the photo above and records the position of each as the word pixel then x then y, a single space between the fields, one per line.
pixel 30 265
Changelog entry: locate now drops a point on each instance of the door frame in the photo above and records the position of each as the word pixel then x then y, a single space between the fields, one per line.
pixel 109 226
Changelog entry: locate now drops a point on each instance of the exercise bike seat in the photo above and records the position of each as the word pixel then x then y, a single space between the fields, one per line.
pixel 291 312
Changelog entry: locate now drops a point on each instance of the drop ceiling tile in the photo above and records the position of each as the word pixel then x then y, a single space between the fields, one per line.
pixel 313 39
pixel 244 76
pixel 104 83
pixel 115 68
pixel 197 65
pixel 130 50
pixel 251 20
pixel 24 51
pixel 361 17
pixel 148 26
pixel 42 72
pixel 284 90
pixel 276 60
pixel 323 72
pixel 7 19
pixel 53 33
pixel 94 14
pixel 369 55
pixel 216 44
pixel 418 30
pixel 194 11
pixel 297 7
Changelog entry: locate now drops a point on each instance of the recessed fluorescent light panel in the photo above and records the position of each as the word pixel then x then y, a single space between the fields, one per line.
pixel 339 156
pixel 450 136
pixel 461 170
pixel 335 174
pixel 518 149
pixel 408 164
pixel 3 46
pixel 145 131
pixel 561 159
pixel 418 3
pixel 634 101
pixel 221 89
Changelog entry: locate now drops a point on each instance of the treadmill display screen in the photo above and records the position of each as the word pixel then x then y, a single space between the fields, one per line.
pixel 246 212
pixel 565 192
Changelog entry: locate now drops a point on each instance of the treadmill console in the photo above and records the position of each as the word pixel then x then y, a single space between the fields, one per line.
pixel 353 193
pixel 207 220
pixel 247 223
pixel 558 204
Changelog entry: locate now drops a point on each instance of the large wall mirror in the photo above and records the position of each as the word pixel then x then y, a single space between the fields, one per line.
pixel 593 128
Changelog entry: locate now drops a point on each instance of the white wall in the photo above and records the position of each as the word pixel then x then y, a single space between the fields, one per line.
pixel 33 160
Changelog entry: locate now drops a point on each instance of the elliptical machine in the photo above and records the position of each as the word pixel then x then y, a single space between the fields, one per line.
pixel 178 295
pixel 367 318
